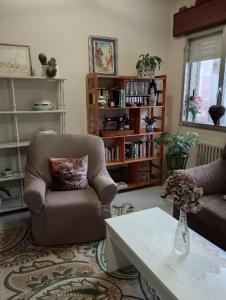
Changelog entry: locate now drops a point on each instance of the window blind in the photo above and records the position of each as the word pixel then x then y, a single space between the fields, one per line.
pixel 204 48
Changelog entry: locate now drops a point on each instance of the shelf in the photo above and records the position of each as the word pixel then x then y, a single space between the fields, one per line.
pixel 143 183
pixel 8 205
pixel 133 160
pixel 114 163
pixel 9 112
pixel 130 161
pixel 13 177
pixel 131 135
pixel 14 145
pixel 32 78
pixel 129 107
pixel 91 75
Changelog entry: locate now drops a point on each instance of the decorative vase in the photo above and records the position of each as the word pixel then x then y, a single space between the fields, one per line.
pixel 182 238
pixel 149 128
pixel 146 73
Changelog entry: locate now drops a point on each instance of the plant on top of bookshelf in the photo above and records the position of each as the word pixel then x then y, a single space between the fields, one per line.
pixel 147 64
pixel 149 123
pixel 180 145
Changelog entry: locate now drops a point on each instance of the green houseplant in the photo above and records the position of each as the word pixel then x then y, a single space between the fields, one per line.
pixel 147 64
pixel 149 123
pixel 179 146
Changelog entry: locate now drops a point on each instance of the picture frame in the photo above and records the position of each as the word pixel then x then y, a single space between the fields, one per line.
pixel 103 55
pixel 15 60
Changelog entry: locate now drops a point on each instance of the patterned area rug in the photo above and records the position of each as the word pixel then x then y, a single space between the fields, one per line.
pixel 75 272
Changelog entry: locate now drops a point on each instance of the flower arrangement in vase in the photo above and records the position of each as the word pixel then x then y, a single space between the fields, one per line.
pixel 186 195
pixel 192 106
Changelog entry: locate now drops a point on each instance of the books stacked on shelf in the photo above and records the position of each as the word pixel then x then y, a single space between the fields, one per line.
pixel 122 99
pixel 140 149
pixel 112 153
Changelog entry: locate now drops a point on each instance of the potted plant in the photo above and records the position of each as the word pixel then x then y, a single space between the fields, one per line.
pixel 49 68
pixel 149 123
pixel 180 145
pixel 147 64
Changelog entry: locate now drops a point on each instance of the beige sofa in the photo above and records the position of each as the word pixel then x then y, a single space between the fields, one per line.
pixel 65 217
pixel 210 221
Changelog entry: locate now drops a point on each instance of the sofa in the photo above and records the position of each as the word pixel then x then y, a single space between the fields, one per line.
pixel 210 221
pixel 74 216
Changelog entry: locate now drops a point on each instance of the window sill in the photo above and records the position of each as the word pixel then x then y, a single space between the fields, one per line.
pixel 203 126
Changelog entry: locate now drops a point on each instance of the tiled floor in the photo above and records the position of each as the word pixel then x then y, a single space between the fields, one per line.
pixel 140 199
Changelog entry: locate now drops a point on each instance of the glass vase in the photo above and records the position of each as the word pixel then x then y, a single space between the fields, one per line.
pixel 182 239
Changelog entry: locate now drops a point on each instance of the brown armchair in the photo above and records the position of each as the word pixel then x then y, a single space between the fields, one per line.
pixel 210 221
pixel 66 217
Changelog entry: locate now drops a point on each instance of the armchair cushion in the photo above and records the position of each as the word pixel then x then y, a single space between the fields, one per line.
pixel 211 177
pixel 69 173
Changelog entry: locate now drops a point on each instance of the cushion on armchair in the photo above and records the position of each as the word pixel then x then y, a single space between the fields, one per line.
pixel 69 173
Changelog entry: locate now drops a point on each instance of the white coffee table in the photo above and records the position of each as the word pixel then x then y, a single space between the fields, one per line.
pixel 145 239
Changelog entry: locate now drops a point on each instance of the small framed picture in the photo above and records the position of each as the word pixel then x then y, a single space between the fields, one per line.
pixel 15 60
pixel 103 55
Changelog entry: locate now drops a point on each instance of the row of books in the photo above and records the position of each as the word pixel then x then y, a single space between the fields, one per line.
pixel 119 98
pixel 140 149
pixel 112 153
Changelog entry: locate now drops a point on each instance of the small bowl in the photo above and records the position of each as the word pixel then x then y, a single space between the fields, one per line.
pixel 7 173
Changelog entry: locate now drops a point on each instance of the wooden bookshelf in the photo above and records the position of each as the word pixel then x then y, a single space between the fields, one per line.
pixel 131 154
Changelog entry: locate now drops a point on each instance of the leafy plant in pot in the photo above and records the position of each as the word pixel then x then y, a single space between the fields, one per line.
pixel 147 64
pixel 149 123
pixel 179 145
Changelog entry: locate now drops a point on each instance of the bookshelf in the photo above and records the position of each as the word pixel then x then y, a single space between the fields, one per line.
pixel 19 123
pixel 131 154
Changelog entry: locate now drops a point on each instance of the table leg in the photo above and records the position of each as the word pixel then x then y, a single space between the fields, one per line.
pixel 114 256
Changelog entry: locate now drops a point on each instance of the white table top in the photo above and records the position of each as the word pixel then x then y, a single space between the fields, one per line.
pixel 200 275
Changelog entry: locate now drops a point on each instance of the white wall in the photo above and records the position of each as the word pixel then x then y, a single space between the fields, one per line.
pixel 61 29
pixel 175 76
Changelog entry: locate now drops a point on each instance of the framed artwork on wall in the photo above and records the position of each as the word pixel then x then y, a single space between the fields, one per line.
pixel 15 60
pixel 103 55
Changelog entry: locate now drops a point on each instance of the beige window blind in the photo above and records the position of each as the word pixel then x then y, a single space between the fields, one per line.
pixel 204 48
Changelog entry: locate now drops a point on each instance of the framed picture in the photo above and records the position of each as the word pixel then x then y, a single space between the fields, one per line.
pixel 103 55
pixel 15 60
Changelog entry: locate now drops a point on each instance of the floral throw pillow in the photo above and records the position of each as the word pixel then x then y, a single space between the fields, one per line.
pixel 69 173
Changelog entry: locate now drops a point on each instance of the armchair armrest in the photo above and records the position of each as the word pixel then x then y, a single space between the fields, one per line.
pixel 211 177
pixel 105 187
pixel 34 193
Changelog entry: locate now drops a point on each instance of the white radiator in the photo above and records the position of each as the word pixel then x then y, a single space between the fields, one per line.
pixel 208 153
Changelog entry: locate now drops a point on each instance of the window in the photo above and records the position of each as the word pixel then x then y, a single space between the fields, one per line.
pixel 204 79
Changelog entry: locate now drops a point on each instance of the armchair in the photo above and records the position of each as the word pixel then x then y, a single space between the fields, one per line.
pixel 66 217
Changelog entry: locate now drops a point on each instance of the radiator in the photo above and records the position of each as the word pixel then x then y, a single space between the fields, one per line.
pixel 208 153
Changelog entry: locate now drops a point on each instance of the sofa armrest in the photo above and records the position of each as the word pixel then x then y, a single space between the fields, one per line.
pixel 211 177
pixel 105 187
pixel 34 193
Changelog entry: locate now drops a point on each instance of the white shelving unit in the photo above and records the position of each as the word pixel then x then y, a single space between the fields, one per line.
pixel 19 122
